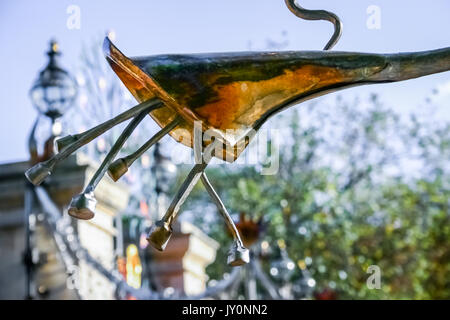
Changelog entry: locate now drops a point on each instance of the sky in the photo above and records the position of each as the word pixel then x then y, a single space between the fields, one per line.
pixel 159 26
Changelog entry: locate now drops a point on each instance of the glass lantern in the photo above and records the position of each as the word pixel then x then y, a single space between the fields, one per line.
pixel 55 89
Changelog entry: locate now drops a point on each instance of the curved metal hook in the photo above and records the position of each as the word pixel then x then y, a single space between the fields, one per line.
pixel 318 15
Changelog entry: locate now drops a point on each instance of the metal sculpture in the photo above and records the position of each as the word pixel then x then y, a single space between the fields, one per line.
pixel 224 92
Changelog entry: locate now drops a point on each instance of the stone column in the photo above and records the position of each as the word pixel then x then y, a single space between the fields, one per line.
pixel 99 235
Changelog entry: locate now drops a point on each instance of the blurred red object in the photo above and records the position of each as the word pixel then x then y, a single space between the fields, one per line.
pixel 122 266
pixel 249 229
pixel 326 294
pixel 143 206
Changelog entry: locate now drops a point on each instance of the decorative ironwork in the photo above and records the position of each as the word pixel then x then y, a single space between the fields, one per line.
pixel 73 253
pixel 303 13
pixel 223 92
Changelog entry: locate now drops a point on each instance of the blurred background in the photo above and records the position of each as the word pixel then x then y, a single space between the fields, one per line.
pixel 359 208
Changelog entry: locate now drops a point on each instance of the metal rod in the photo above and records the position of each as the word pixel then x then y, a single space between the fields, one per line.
pixel 318 15
pixel 187 186
pixel 404 66
pixel 158 136
pixel 83 205
pixel 28 253
pixel 161 231
pixel 120 166
pixel 184 191
pixel 222 209
pixel 114 151
pixel 42 170
pixel 238 254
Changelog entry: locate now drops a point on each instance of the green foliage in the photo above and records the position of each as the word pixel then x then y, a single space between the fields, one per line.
pixel 356 187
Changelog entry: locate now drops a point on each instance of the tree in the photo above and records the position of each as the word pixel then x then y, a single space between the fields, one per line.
pixel 345 199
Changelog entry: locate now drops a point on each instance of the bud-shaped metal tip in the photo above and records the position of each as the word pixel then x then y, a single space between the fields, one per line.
pixel 238 255
pixel 64 142
pixel 159 235
pixel 83 206
pixel 117 169
pixel 38 173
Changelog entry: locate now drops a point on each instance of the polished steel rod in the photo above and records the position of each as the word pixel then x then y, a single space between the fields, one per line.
pixel 188 184
pixel 161 231
pixel 114 151
pixel 83 205
pixel 42 170
pixel 222 209
pixel 183 192
pixel 120 166
pixel 238 254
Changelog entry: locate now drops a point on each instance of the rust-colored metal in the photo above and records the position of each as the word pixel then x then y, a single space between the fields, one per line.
pixel 233 93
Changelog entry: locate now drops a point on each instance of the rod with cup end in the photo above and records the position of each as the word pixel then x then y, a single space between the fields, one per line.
pixel 238 254
pixel 83 205
pixel 161 231
pixel 71 143
pixel 120 166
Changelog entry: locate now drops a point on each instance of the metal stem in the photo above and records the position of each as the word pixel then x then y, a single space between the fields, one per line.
pixel 183 192
pixel 114 151
pixel 161 231
pixel 158 136
pixel 93 133
pixel 187 186
pixel 318 15
pixel 40 171
pixel 222 209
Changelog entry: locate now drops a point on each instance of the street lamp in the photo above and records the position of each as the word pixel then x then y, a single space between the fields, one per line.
pixel 55 90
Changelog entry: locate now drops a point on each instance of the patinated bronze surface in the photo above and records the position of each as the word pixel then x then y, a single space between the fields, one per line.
pixel 240 91
pixel 231 95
